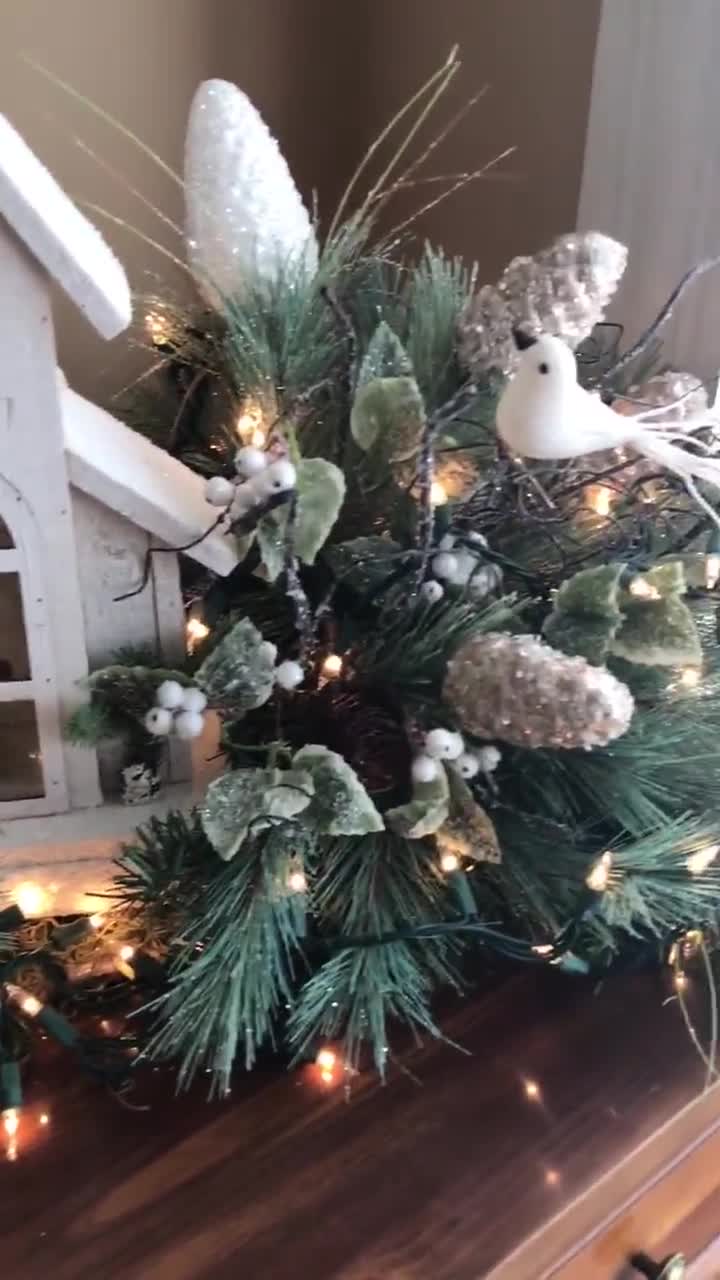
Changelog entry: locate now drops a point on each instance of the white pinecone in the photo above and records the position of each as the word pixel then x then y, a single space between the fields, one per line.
pixel 563 290
pixel 666 388
pixel 517 689
pixel 245 219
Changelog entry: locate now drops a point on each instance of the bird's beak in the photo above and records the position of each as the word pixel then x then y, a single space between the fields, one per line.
pixel 523 340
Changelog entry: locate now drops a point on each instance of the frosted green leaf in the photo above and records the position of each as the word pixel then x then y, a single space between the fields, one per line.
pixel 385 357
pixel 468 832
pixel 239 673
pixel 271 542
pixel 341 805
pixel 251 800
pixel 658 633
pixel 426 812
pixel 320 492
pixel 586 613
pixel 391 413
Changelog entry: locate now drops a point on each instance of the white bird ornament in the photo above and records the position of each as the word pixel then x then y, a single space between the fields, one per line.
pixel 543 412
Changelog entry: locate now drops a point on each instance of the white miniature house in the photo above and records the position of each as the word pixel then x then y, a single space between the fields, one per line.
pixel 82 498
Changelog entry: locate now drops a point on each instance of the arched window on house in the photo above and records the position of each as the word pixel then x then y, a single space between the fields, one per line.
pixel 32 775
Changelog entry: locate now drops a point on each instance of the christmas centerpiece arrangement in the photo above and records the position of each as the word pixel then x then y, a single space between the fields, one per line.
pixel 466 669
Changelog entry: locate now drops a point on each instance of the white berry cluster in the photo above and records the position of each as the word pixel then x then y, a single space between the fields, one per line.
pixel 259 478
pixel 178 710
pixel 445 745
pixel 461 566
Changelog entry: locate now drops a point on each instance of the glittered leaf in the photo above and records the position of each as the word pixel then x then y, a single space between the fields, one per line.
pixel 426 812
pixel 658 633
pixel 468 831
pixel 592 592
pixel 320 493
pixel 239 673
pixel 271 542
pixel 385 357
pixel 250 800
pixel 389 412
pixel 586 613
pixel 583 637
pixel 341 806
pixel 668 578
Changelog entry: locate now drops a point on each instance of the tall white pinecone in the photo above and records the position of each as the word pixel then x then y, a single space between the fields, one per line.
pixel 563 290
pixel 517 689
pixel 245 220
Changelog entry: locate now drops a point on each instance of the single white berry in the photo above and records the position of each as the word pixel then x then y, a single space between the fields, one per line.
pixel 268 650
pixel 188 724
pixel 424 769
pixel 467 765
pixel 169 694
pixel 250 461
pixel 432 591
pixel 445 565
pixel 485 580
pixel 289 674
pixel 158 721
pixel 466 563
pixel 447 543
pixel 277 478
pixel 489 759
pixel 245 499
pixel 194 700
pixel 443 744
pixel 219 492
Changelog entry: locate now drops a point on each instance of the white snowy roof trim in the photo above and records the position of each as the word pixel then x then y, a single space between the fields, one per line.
pixel 62 239
pixel 132 476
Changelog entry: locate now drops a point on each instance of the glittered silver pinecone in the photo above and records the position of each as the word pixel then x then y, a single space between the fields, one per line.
pixel 684 391
pixel 563 290
pixel 517 689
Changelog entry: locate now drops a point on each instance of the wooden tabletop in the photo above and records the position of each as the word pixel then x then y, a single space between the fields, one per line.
pixel 438 1175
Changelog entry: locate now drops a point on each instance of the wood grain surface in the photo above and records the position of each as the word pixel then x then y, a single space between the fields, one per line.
pixel 438 1175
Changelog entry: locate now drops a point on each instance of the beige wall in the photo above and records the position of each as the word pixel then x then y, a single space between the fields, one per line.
pixel 326 74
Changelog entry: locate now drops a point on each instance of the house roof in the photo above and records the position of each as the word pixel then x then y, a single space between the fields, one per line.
pixel 129 474
pixel 62 239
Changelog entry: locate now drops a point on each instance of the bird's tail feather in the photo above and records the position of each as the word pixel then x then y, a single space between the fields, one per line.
pixel 688 466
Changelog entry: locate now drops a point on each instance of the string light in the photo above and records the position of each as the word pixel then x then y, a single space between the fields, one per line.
pixel 598 876
pixel 326 1059
pixel 532 1090
pixel 31 898
pixel 297 882
pixel 249 425
pixel 44 1119
pixel 552 1177
pixel 449 862
pixel 712 571
pixel 690 677
pixel 11 1121
pixel 332 666
pixel 195 632
pixel 157 328
pixel 96 920
pixel 122 962
pixel 699 861
pixel 599 498
pixel 30 1005
pixel 643 589
pixel 544 949
pixel 438 494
